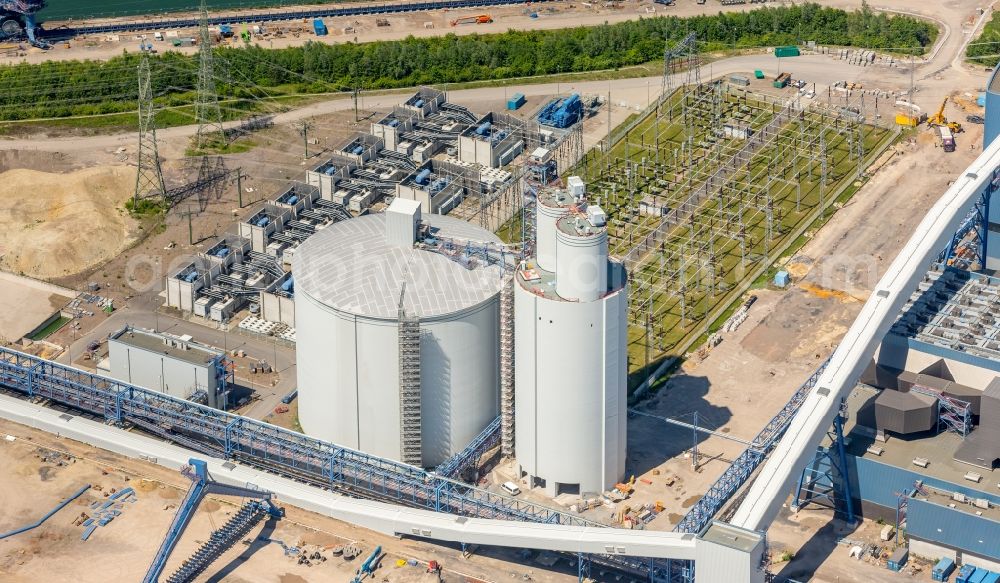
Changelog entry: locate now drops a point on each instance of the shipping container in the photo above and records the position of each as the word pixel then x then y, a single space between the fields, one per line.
pixel 898 558
pixel 781 81
pixel 739 80
pixel 758 74
pixel 943 569
pixel 319 27
pixel 786 51
pixel 515 101
pixel 964 573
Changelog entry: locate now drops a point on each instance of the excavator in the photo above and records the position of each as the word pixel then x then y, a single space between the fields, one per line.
pixel 17 20
pixel 479 19
pixel 938 119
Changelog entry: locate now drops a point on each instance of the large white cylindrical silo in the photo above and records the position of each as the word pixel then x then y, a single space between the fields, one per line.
pixel 571 360
pixel 349 280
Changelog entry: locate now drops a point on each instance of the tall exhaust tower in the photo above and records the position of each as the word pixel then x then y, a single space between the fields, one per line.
pixel 570 305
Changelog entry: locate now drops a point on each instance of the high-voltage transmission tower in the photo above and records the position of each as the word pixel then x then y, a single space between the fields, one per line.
pixel 683 54
pixel 206 108
pixel 149 175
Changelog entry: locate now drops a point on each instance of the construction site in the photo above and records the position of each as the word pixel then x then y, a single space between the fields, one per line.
pixel 726 323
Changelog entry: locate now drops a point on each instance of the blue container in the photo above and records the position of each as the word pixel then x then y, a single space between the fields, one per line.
pixel 319 27
pixel 992 577
pixel 964 573
pixel 515 102
pixel 943 569
pixel 782 279
pixel 979 576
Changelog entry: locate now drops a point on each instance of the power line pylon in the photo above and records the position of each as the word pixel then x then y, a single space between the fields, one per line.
pixel 206 108
pixel 149 175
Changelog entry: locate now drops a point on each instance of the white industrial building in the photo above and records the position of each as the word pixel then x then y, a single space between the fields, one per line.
pixel 570 351
pixel 398 343
pixel 171 364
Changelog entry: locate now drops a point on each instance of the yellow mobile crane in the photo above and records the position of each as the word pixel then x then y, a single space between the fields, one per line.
pixel 938 119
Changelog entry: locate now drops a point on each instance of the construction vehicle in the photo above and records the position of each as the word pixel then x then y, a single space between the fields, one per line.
pixel 939 120
pixel 17 20
pixel 369 566
pixel 478 19
pixel 908 114
pixel 947 138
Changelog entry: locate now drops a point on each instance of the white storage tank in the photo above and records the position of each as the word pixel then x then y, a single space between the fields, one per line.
pixel 348 281
pixel 553 204
pixel 571 363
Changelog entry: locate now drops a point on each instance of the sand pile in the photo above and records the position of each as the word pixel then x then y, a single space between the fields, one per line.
pixel 61 224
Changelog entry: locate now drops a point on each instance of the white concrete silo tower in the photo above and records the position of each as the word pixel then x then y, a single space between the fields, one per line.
pixel 570 351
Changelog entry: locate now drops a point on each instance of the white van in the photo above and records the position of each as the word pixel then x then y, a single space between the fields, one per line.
pixel 510 488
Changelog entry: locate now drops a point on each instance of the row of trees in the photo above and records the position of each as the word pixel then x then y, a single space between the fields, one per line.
pixel 985 50
pixel 55 89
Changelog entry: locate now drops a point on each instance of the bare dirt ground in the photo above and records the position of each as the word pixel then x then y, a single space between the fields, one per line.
pixel 35 301
pixel 31 486
pixel 60 224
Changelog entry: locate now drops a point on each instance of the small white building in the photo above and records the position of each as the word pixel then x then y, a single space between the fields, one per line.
pixel 166 363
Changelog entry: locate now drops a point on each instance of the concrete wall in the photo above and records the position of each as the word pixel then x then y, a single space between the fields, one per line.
pixel 275 308
pixel 181 294
pixel 408 192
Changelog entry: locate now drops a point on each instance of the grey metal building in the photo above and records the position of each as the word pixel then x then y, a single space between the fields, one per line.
pixel 175 365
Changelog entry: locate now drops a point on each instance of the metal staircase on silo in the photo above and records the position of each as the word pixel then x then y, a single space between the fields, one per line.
pixel 507 368
pixel 409 386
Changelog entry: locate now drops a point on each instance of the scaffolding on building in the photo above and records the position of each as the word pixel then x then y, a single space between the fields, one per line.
pixel 954 415
pixel 409 386
pixel 507 368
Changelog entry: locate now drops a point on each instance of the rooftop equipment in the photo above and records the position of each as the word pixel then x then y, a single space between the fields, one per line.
pixel 562 113
pixel 423 176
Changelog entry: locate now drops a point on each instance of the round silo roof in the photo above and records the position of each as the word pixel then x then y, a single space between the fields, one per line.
pixel 351 267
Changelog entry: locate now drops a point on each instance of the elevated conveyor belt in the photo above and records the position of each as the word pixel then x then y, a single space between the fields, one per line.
pixel 379 516
pixel 806 431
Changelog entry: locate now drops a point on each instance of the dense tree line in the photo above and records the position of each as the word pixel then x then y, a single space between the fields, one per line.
pixel 985 50
pixel 72 88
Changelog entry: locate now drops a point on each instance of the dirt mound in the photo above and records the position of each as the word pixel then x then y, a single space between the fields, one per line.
pixel 62 224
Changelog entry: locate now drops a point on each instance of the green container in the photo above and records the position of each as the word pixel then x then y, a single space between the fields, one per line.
pixel 786 52
pixel 758 74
